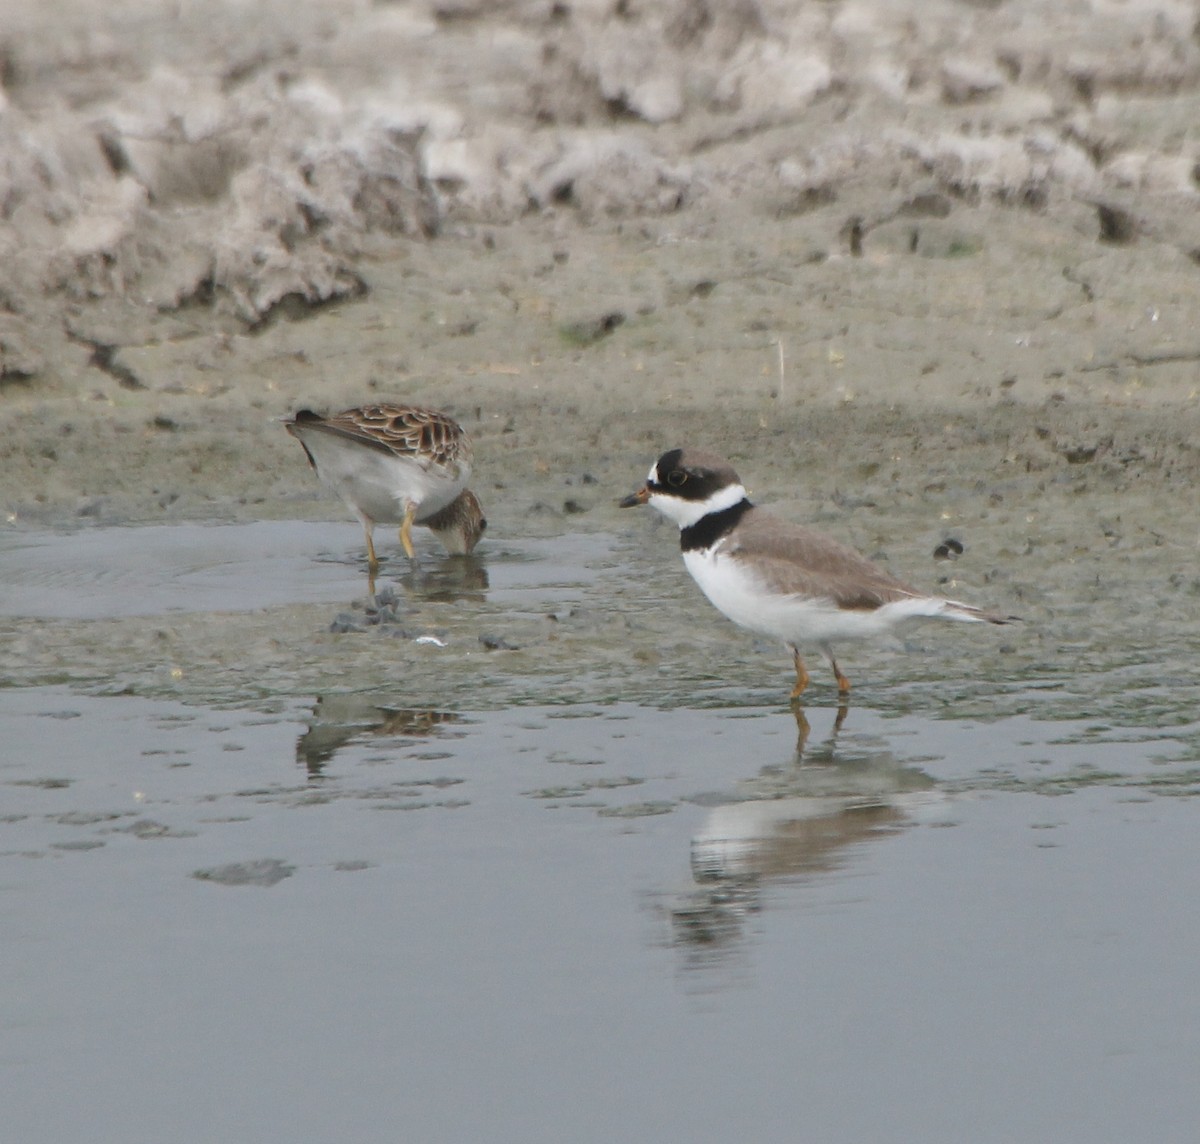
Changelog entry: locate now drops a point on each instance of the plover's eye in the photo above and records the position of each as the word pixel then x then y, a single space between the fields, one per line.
pixel 676 478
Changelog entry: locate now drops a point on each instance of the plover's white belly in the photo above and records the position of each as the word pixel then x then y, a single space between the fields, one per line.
pixel 734 589
pixel 381 486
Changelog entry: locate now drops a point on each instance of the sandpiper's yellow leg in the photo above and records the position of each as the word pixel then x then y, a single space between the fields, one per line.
pixel 406 531
pixel 372 561
pixel 801 675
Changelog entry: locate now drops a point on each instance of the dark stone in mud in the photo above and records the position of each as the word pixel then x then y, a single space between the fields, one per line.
pixel 497 643
pixel 590 330
pixel 1117 226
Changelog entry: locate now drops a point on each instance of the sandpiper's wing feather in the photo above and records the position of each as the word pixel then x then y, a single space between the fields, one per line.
pixel 426 436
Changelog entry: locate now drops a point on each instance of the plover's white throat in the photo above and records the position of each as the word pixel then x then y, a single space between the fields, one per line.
pixel 777 578
pixel 396 464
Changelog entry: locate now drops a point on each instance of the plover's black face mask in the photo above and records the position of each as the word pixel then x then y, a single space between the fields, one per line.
pixel 677 475
pixel 686 485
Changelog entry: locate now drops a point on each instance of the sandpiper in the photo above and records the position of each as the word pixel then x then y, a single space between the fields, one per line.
pixel 396 464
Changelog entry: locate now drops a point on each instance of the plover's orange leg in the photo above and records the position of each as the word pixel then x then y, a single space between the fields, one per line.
pixel 801 674
pixel 842 682
pixel 406 530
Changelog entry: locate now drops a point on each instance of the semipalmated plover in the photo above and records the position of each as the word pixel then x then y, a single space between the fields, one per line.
pixel 396 464
pixel 775 577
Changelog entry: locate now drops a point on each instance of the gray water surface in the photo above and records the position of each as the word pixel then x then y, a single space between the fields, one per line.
pixel 351 921
pixel 263 881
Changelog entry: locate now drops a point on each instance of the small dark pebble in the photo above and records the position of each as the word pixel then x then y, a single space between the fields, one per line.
pixel 345 622
pixel 384 607
pixel 1117 226
pixel 573 507
pixel 497 643
pixel 949 549
pixel 591 330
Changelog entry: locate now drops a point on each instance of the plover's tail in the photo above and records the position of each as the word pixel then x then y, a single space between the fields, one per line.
pixel 913 605
pixel 956 610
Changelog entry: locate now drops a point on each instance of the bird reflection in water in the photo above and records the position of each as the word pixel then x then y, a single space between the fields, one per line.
pixel 340 720
pixel 446 580
pixel 797 821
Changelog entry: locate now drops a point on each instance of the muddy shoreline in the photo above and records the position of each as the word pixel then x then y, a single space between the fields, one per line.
pixel 962 304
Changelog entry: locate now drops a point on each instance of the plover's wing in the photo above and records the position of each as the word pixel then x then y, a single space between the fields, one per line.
pixel 795 561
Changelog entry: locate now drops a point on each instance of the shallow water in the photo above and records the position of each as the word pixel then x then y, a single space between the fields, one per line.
pixel 582 895
pixel 588 923
pixel 117 572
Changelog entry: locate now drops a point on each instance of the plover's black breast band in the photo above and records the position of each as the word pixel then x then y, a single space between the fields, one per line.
pixel 711 527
